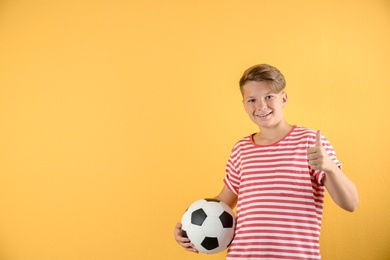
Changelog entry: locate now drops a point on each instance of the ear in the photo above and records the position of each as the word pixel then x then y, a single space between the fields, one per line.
pixel 285 99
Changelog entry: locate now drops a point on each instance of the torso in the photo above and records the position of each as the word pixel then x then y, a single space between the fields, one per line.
pixel 280 199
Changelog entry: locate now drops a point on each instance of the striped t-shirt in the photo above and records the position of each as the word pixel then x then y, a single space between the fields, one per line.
pixel 280 199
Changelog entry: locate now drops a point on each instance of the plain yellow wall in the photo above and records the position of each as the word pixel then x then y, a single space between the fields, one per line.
pixel 116 115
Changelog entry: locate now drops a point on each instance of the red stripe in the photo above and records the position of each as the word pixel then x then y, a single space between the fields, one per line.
pixel 280 197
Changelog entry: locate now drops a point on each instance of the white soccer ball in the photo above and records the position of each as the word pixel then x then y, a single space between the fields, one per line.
pixel 209 224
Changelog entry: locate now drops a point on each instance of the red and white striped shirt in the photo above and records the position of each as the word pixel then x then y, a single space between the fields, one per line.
pixel 280 198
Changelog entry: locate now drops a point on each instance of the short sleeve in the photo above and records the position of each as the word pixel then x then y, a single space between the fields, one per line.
pixel 231 179
pixel 233 170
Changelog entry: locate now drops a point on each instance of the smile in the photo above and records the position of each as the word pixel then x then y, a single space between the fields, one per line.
pixel 264 115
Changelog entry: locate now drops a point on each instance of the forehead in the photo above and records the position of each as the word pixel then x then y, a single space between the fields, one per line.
pixel 256 88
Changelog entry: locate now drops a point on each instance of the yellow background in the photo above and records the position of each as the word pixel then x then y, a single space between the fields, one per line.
pixel 116 115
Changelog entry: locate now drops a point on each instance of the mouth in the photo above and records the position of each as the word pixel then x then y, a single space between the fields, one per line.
pixel 264 115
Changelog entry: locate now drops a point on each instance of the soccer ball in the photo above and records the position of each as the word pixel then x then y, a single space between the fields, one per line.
pixel 209 224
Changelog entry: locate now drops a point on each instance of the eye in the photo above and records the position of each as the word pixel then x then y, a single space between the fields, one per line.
pixel 269 97
pixel 252 100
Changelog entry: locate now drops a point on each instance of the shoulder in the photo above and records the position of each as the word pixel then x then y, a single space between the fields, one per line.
pixel 303 132
pixel 309 135
pixel 243 143
pixel 302 136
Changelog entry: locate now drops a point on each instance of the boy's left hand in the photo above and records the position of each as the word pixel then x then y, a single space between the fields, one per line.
pixel 318 157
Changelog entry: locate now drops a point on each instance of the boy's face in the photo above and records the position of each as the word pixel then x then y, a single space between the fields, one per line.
pixel 263 106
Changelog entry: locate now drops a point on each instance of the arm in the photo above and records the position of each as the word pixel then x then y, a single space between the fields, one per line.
pixel 341 189
pixel 227 196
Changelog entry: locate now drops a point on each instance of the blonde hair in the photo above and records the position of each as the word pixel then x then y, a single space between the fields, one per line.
pixel 264 72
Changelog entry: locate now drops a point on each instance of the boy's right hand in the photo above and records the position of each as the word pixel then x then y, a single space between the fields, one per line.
pixel 183 241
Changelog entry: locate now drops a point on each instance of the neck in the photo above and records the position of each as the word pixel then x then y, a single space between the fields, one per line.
pixel 273 134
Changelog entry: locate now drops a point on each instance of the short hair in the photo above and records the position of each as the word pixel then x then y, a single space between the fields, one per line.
pixel 264 72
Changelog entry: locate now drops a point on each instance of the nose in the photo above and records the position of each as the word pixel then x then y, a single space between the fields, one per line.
pixel 261 105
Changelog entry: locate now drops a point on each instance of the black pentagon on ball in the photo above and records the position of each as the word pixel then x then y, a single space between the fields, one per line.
pixel 226 220
pixel 210 243
pixel 198 217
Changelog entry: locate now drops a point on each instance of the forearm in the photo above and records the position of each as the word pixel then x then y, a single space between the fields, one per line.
pixel 342 190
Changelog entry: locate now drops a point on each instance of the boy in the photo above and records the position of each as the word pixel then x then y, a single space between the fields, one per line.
pixel 277 178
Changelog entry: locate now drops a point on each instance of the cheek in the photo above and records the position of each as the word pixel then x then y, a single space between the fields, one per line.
pixel 248 108
pixel 278 104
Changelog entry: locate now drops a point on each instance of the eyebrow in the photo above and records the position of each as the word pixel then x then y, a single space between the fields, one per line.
pixel 266 94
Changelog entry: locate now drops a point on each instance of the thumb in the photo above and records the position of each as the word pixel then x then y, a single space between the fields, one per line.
pixel 318 139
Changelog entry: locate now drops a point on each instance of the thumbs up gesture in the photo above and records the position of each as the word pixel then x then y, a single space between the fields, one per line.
pixel 318 157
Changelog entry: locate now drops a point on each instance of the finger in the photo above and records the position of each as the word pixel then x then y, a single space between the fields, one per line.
pixel 312 156
pixel 181 239
pixel 178 234
pixel 312 150
pixel 177 228
pixel 318 139
pixel 187 244
pixel 189 247
pixel 192 250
